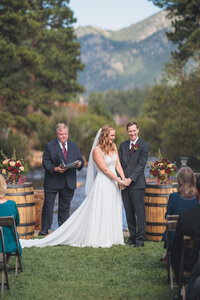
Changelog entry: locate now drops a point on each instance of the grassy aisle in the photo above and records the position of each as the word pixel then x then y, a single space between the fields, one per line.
pixel 64 272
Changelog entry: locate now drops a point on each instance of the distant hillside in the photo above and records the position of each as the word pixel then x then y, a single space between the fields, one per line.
pixel 126 58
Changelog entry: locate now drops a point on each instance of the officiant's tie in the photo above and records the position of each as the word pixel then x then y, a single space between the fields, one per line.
pixel 132 146
pixel 64 151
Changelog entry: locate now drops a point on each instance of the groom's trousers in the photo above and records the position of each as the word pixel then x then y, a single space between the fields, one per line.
pixel 135 213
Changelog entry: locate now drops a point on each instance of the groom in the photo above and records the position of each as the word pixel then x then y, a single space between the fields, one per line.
pixel 133 155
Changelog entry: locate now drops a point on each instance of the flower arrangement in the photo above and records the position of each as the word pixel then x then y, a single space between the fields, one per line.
pixel 163 169
pixel 13 169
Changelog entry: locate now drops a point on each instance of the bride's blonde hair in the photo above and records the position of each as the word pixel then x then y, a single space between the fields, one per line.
pixel 103 142
pixel 3 186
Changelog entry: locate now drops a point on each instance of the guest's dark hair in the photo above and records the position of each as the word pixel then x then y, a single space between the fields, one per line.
pixel 198 183
pixel 131 124
pixel 186 182
pixel 198 187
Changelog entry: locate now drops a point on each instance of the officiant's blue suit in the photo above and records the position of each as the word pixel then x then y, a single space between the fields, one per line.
pixel 62 183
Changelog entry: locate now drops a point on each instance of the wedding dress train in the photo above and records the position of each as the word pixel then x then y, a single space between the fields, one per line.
pixel 98 220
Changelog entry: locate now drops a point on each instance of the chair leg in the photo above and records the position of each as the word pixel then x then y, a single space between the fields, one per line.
pixel 20 264
pixel 183 293
pixel 2 281
pixel 171 277
pixel 16 266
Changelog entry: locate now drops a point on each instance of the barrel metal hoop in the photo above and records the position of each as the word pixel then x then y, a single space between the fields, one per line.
pixel 26 234
pixel 26 204
pixel 26 224
pixel 156 223
pixel 156 204
pixel 153 233
pixel 157 195
pixel 158 186
pixel 19 194
pixel 11 186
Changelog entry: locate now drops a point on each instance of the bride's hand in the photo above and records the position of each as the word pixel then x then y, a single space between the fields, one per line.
pixel 121 183
pixel 122 187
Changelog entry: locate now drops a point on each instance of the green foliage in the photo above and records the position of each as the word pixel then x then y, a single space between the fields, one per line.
pixel 83 130
pixel 173 118
pixel 14 141
pixel 129 103
pixel 119 272
pixel 98 107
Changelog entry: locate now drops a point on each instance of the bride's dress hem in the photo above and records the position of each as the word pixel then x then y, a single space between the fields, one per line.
pixel 98 220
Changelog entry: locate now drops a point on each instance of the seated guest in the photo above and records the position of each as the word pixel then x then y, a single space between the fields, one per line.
pixel 193 285
pixel 188 224
pixel 182 200
pixel 8 208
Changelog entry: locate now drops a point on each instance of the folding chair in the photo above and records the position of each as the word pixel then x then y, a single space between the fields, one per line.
pixel 188 243
pixel 3 264
pixel 10 221
pixel 170 227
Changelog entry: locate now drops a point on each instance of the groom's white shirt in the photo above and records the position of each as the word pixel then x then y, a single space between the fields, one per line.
pixel 131 142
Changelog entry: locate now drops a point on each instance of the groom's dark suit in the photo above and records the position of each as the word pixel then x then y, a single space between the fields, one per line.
pixel 63 183
pixel 133 165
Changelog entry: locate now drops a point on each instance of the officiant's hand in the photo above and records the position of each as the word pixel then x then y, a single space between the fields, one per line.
pixel 59 169
pixel 78 165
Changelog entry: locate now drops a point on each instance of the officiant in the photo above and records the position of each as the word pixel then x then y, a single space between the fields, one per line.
pixel 59 179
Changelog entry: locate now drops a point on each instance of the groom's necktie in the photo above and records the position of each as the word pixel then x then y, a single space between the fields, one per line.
pixel 132 146
pixel 64 151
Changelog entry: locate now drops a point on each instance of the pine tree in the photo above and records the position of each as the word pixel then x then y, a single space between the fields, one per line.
pixel 18 59
pixel 40 57
pixel 59 51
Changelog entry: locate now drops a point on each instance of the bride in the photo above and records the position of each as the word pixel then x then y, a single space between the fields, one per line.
pixel 98 220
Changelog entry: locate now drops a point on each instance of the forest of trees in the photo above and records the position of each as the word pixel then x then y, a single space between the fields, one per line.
pixel 40 61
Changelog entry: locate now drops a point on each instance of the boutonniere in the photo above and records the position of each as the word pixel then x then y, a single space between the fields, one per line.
pixel 135 147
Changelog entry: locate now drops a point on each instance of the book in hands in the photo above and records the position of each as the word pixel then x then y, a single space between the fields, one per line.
pixel 68 166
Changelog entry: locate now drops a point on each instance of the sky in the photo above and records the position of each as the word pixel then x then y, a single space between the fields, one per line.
pixel 111 14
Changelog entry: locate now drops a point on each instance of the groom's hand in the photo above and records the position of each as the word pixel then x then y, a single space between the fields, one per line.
pixel 122 186
pixel 127 181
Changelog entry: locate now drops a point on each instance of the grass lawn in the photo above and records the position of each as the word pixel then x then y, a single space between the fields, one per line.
pixel 65 272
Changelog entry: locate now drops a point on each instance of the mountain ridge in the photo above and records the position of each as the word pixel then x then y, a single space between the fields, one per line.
pixel 126 58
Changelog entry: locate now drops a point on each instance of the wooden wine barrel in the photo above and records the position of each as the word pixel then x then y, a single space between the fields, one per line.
pixel 156 198
pixel 23 196
pixel 39 200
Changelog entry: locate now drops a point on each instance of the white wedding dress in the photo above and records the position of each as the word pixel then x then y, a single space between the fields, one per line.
pixel 98 220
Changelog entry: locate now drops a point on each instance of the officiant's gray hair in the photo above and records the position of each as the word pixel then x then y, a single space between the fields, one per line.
pixel 61 126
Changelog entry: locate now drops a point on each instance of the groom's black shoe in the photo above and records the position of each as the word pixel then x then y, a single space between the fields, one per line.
pixel 130 242
pixel 137 245
pixel 42 232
